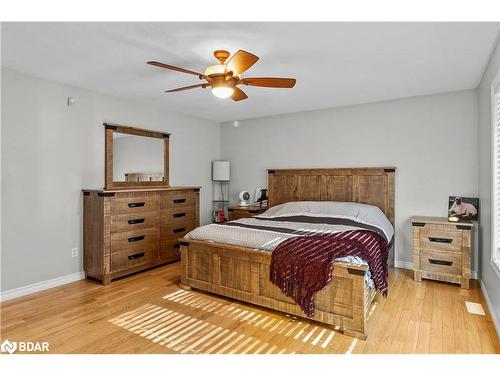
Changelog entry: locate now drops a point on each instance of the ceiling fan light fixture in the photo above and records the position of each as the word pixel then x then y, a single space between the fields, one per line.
pixel 217 69
pixel 222 92
pixel 225 76
pixel 214 69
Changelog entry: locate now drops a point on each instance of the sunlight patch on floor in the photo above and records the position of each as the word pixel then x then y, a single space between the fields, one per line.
pixel 352 346
pixel 180 329
pixel 318 337
pixel 328 339
pixel 184 334
pixel 374 306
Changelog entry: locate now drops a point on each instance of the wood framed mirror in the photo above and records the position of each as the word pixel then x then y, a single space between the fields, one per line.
pixel 135 158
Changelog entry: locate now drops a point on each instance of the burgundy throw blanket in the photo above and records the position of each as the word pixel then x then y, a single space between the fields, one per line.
pixel 303 265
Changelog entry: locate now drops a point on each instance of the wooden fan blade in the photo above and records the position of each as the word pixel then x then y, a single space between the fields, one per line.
pixel 238 95
pixel 285 83
pixel 240 62
pixel 202 85
pixel 177 69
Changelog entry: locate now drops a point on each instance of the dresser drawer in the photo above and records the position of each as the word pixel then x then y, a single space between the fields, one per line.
pixel 441 262
pixel 134 204
pixel 178 215
pixel 176 199
pixel 174 231
pixel 442 240
pixel 170 249
pixel 134 221
pixel 135 239
pixel 122 260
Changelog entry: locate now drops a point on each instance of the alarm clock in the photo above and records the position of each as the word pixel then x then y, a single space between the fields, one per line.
pixel 244 198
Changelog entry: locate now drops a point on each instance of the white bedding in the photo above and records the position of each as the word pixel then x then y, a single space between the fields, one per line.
pixel 361 213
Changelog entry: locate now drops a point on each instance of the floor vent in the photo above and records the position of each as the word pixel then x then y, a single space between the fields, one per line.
pixel 474 308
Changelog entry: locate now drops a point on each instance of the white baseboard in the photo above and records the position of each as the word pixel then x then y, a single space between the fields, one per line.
pixel 43 285
pixel 409 266
pixel 490 308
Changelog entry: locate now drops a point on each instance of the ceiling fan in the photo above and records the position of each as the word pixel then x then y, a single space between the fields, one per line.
pixel 224 77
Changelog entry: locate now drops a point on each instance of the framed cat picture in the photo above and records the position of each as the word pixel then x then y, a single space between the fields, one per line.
pixel 463 208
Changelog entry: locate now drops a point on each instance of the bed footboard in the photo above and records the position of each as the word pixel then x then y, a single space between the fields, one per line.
pixel 243 274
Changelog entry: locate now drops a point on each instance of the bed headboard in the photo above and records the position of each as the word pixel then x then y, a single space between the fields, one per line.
pixel 373 186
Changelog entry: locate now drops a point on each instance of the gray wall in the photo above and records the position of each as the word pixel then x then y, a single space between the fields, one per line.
pixel 432 140
pixel 51 151
pixel 490 277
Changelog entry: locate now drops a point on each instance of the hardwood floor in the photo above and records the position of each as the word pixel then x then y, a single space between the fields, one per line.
pixel 148 313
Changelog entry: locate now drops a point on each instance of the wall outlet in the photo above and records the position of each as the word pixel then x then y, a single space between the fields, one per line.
pixel 74 252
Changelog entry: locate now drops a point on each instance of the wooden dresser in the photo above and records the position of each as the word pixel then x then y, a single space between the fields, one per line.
pixel 442 250
pixel 127 231
pixel 240 212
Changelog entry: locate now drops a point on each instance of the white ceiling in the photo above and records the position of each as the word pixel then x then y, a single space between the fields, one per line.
pixel 335 64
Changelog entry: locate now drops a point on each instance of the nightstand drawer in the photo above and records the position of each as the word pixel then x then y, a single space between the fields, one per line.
pixel 442 240
pixel 242 212
pixel 441 262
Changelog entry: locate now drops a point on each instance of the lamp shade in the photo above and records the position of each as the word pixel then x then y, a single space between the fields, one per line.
pixel 220 170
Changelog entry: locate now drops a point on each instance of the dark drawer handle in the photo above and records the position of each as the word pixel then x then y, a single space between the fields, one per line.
pixel 180 214
pixel 134 239
pixel 177 246
pixel 440 240
pixel 135 256
pixel 440 262
pixel 137 204
pixel 253 211
pixel 179 200
pixel 136 221
pixel 179 230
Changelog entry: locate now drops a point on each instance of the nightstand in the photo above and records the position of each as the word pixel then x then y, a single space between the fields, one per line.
pixel 442 250
pixel 240 212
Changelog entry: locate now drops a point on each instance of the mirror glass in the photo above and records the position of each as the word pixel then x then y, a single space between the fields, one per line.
pixel 137 158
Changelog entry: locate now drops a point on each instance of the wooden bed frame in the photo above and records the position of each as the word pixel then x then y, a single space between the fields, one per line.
pixel 243 273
